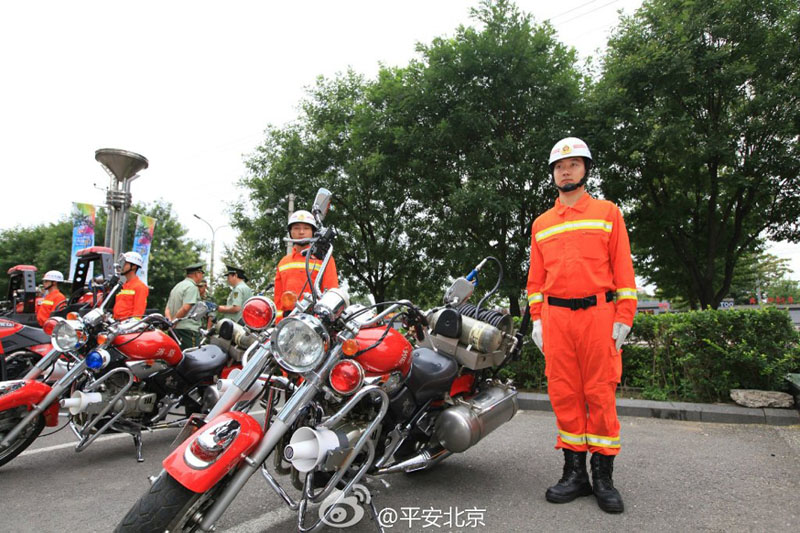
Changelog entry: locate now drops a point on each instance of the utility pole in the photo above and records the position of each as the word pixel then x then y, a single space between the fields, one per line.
pixel 213 238
pixel 291 210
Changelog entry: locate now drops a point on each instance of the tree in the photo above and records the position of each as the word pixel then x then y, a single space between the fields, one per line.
pixel 491 101
pixel 48 247
pixel 699 110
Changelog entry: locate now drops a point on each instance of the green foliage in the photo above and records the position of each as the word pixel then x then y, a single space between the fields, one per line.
pixel 701 355
pixel 694 356
pixel 433 166
pixel 697 115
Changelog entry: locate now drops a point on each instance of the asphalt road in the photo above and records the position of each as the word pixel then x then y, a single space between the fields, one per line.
pixel 674 476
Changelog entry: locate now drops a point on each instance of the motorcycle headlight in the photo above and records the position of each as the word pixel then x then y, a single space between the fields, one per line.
pixel 299 343
pixel 68 335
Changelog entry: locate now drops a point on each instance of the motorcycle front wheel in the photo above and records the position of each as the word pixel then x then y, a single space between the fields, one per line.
pixel 8 420
pixel 169 506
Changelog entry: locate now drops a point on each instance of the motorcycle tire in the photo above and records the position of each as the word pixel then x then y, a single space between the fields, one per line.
pixel 168 506
pixel 8 420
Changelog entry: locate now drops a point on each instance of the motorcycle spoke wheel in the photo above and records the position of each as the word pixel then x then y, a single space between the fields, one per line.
pixel 169 506
pixel 8 420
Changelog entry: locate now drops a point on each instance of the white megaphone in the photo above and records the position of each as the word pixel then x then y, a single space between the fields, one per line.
pixel 308 447
pixel 80 401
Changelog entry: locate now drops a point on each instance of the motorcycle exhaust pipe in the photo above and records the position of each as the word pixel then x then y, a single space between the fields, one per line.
pixel 80 401
pixel 309 448
pixel 460 427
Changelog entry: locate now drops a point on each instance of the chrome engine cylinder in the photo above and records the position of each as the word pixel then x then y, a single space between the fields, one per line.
pixel 462 426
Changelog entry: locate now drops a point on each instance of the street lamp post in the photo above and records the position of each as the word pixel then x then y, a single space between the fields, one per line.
pixel 273 210
pixel 213 237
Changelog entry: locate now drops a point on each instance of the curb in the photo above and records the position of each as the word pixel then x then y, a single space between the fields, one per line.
pixel 693 412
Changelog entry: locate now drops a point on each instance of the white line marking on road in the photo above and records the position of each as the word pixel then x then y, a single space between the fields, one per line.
pixel 99 439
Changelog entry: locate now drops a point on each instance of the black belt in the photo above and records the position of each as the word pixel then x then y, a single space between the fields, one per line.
pixel 578 303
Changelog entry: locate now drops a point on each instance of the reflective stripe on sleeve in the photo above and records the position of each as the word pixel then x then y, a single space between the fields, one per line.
pixel 127 291
pixel 536 297
pixel 626 294
pixel 602 442
pixel 574 225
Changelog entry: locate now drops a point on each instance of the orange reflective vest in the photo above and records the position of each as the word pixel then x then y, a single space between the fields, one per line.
pixel 45 306
pixel 580 251
pixel 291 276
pixel 131 299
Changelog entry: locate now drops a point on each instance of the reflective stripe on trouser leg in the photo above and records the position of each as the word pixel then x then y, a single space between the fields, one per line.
pixel 564 384
pixel 601 370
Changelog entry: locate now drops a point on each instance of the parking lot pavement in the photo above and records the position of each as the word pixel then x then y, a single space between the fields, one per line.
pixel 673 475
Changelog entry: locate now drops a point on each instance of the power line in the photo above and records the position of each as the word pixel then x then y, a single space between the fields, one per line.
pixel 571 10
pixel 589 12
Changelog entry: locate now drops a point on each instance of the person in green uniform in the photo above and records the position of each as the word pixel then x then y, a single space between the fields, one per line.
pixel 181 299
pixel 240 292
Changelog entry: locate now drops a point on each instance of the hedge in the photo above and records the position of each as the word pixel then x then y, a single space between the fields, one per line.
pixel 695 356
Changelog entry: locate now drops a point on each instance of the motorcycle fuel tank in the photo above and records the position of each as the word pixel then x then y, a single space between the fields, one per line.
pixel 149 345
pixel 393 353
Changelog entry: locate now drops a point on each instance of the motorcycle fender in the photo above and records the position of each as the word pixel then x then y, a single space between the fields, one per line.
pixel 201 480
pixel 41 349
pixel 30 393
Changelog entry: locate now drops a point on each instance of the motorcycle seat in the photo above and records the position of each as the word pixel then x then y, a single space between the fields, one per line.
pixel 201 363
pixel 431 375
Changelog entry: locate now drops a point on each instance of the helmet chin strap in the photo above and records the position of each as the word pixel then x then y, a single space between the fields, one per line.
pixel 569 187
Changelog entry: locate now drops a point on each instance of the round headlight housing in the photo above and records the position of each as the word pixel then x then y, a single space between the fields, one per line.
pixel 68 335
pixel 299 343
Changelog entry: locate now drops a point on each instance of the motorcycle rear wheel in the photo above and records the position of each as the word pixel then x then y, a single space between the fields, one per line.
pixel 168 506
pixel 8 420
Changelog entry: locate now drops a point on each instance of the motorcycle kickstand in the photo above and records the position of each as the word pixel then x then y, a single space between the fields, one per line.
pixel 375 516
pixel 137 441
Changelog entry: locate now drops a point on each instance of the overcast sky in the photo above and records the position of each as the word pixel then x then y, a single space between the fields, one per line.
pixel 192 85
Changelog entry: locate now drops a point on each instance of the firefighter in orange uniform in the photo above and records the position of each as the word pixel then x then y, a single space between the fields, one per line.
pixel 582 298
pixel 52 297
pixel 291 274
pixel 132 298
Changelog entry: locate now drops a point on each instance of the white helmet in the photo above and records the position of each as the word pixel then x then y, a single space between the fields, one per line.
pixel 134 258
pixel 302 216
pixel 570 147
pixel 53 275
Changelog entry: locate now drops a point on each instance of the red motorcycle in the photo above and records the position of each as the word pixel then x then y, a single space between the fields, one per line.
pixel 120 376
pixel 360 399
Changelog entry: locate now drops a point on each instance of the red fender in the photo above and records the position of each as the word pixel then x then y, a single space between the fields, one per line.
pixel 41 349
pixel 30 393
pixel 201 480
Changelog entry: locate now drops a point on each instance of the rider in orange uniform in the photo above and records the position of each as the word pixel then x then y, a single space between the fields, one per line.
pixel 132 298
pixel 291 274
pixel 52 297
pixel 582 297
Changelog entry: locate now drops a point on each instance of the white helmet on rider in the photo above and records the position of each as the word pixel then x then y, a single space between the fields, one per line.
pixel 303 216
pixel 53 275
pixel 134 258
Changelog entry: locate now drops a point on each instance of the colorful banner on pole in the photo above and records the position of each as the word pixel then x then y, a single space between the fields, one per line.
pixel 82 234
pixel 142 239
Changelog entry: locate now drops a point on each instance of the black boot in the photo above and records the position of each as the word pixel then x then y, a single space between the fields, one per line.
pixel 608 498
pixel 574 482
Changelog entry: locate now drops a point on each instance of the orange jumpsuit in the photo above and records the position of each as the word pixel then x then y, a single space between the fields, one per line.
pixel 580 251
pixel 45 306
pixel 131 299
pixel 291 276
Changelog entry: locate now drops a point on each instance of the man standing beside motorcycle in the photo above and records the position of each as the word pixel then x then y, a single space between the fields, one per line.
pixel 582 298
pixel 240 293
pixel 131 300
pixel 291 272
pixel 181 299
pixel 52 296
